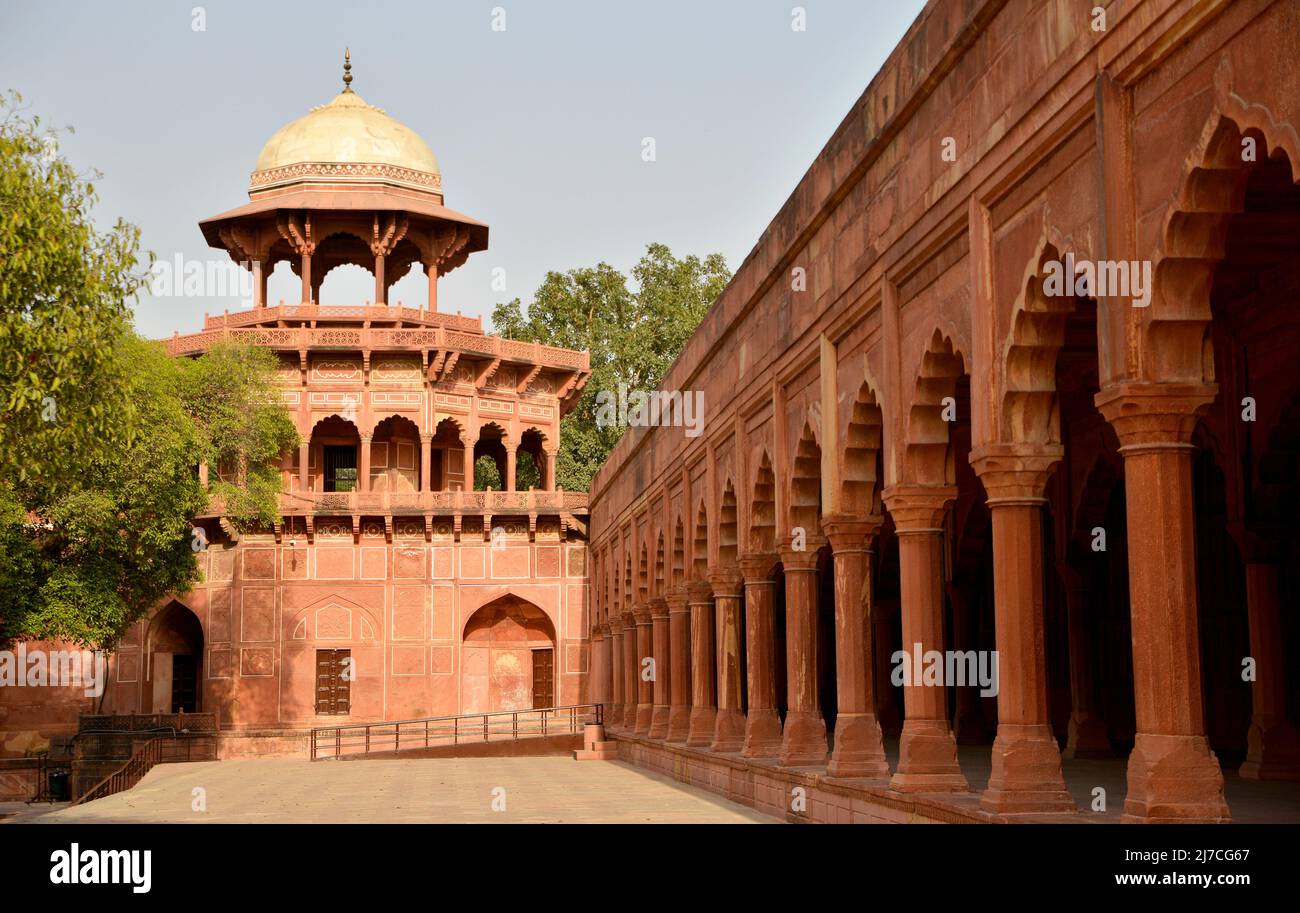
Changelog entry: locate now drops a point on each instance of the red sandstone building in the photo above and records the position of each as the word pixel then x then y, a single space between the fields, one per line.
pixel 914 437
pixel 438 598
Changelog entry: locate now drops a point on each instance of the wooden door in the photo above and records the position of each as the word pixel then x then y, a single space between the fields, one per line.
pixel 543 678
pixel 333 686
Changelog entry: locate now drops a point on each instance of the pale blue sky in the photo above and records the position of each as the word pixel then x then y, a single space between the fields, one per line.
pixel 538 129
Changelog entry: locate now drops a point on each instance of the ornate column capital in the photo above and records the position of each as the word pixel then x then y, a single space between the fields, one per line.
pixel 615 625
pixel 727 581
pixel 699 591
pixel 658 607
pixel 677 599
pixel 757 566
pixel 1154 416
pixel 629 618
pixel 1015 473
pixel 642 613
pixel 848 533
pixel 800 559
pixel 918 508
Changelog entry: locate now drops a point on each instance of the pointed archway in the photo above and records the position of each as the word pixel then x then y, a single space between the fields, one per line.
pixel 507 658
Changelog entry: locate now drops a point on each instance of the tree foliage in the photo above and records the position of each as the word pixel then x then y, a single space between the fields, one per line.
pixel 634 331
pixel 64 288
pixel 101 432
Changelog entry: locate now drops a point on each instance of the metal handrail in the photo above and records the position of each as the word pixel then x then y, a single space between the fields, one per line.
pixel 160 750
pixel 383 737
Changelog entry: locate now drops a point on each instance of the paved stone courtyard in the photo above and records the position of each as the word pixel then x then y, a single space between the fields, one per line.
pixel 453 790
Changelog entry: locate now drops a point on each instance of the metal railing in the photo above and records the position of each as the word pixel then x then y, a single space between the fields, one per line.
pixel 360 739
pixel 163 750
pixel 145 722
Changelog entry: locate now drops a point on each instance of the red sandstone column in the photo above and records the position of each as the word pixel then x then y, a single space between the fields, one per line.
pixel 927 751
pixel 606 669
pixel 304 466
pixel 729 724
pixel 426 462
pixel 762 723
pixel 704 710
pixel 1172 773
pixel 595 676
pixel 431 270
pixel 363 474
pixel 644 683
pixel 659 638
pixel 548 470
pixel 511 462
pixel 614 718
pixel 304 270
pixel 1026 775
pixel 679 654
pixel 1272 744
pixel 1087 736
pixel 859 747
pixel 804 740
pixel 381 292
pixel 631 671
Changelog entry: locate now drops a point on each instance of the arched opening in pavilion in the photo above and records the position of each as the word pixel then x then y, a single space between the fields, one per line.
pixel 530 461
pixel 490 458
pixel 334 455
pixel 395 455
pixel 447 456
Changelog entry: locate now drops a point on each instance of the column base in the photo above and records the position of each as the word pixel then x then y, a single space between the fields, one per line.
pixel 927 759
pixel 859 748
pixel 762 734
pixel 1026 776
pixel 679 723
pixel 728 731
pixel 629 718
pixel 1087 738
pixel 1273 753
pixel 614 717
pixel 643 714
pixel 804 741
pixel 1172 779
pixel 701 731
pixel 659 721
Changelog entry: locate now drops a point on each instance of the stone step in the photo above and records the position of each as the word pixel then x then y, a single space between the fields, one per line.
pixel 605 754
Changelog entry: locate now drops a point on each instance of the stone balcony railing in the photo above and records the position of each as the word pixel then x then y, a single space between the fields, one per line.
pixel 374 339
pixel 385 503
pixel 379 313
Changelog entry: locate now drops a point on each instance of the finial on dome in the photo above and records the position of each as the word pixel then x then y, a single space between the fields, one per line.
pixel 347 70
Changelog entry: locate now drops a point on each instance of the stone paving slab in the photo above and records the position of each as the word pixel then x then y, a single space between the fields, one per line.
pixel 418 791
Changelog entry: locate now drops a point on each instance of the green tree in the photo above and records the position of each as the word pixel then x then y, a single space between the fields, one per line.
pixel 101 433
pixel 243 429
pixel 486 474
pixel 634 332
pixel 64 288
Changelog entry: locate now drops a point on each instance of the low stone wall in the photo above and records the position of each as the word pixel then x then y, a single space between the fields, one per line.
pixel 274 743
pixel 767 788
